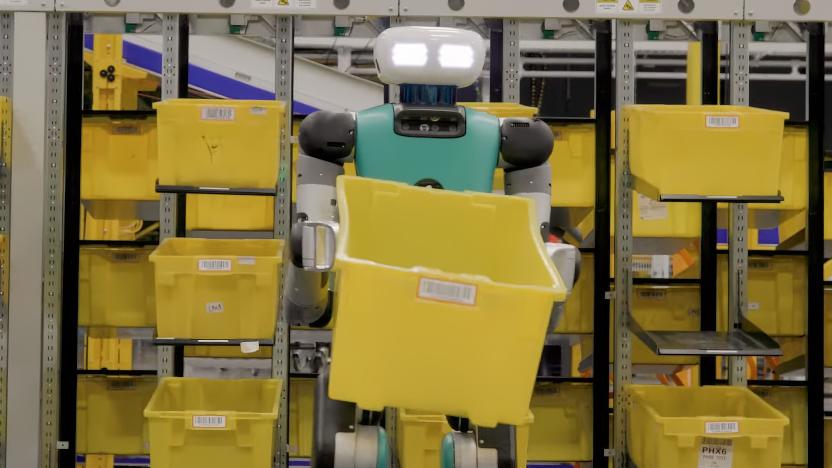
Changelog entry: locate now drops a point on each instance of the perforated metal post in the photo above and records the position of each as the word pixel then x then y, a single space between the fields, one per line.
pixel 53 236
pixel 738 233
pixel 167 202
pixel 6 69
pixel 284 76
pixel 625 83
pixel 511 60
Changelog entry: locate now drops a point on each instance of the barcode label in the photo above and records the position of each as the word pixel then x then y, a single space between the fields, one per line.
pixel 306 3
pixel 753 306
pixel 447 291
pixel 214 307
pixel 125 257
pixel 723 121
pixel 759 265
pixel 225 114
pixel 716 453
pixel 211 422
pixel 126 130
pixel 722 427
pixel 214 265
pixel 651 210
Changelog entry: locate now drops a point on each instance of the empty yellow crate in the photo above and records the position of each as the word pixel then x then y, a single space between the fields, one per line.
pixel 792 403
pixel 230 213
pixel 794 171
pixel 562 428
pixel 420 439
pixel 217 288
pixel 108 229
pixel 115 287
pixel 110 416
pixel 776 295
pixel 700 150
pixel 226 352
pixel 118 158
pixel 219 143
pixel 410 277
pixel 675 426
pixel 197 423
pixel 578 310
pixel 301 416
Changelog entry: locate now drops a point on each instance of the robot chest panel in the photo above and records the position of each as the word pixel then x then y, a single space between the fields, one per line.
pixel 460 164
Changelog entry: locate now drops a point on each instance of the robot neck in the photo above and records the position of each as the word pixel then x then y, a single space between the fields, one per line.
pixel 428 95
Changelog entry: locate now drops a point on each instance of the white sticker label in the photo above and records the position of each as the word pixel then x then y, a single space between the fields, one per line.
pixel 651 210
pixel 209 422
pixel 661 266
pixel 306 3
pixel 716 453
pixel 208 264
pixel 248 347
pixel 447 291
pixel 225 114
pixel 753 306
pixel 723 121
pixel 282 3
pixel 214 307
pixel 14 2
pixel 628 6
pixel 650 6
pixel 722 427
pixel 246 261
pixel 258 111
pixel 606 6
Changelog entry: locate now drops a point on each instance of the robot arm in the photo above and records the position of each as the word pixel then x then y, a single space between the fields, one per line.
pixel 526 145
pixel 327 139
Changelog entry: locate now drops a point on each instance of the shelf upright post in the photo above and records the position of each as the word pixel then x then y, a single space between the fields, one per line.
pixel 53 237
pixel 174 85
pixel 511 60
pixel 625 84
pixel 601 302
pixel 284 76
pixel 815 326
pixel 738 232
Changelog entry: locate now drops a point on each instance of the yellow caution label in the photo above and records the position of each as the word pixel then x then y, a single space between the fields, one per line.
pixel 628 6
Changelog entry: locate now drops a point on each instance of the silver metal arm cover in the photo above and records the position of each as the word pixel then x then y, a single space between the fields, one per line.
pixel 307 292
pixel 534 183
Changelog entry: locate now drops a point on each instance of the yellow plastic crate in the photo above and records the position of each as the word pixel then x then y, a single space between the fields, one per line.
pixel 420 439
pixel 217 288
pixel 226 352
pixel 776 295
pixel 699 150
pixel 792 403
pixel 562 428
pixel 229 212
pixel 200 422
pixel 794 172
pixel 118 158
pixel 219 143
pixel 108 229
pixel 578 310
pixel 410 276
pixel 115 287
pixel 573 165
pixel 109 417
pixel 670 426
pixel 301 416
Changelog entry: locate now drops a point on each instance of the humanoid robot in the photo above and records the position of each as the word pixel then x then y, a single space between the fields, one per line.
pixel 426 141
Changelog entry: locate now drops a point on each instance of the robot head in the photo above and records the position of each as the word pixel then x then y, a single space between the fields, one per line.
pixel 429 56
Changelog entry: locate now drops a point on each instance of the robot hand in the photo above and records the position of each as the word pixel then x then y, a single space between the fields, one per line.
pixel 567 260
pixel 312 245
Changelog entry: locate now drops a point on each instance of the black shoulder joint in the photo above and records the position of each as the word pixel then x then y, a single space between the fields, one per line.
pixel 327 135
pixel 525 143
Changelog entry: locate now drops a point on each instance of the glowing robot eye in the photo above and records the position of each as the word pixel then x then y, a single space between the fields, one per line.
pixel 410 55
pixel 456 56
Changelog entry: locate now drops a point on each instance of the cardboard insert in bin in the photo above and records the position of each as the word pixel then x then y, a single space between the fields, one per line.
pixel 442 301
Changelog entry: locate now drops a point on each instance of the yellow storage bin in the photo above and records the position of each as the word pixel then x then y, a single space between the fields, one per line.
pixel 562 428
pixel 794 171
pixel 301 416
pixel 502 109
pixel 109 414
pixel 115 287
pixel 118 158
pixel 680 426
pixel 230 212
pixel 226 352
pixel 792 403
pixel 219 143
pixel 573 165
pixel 700 150
pixel 776 295
pixel 578 310
pixel 217 288
pixel 410 277
pixel 108 229
pixel 201 422
pixel 420 437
